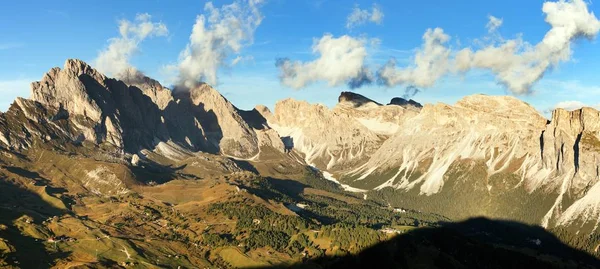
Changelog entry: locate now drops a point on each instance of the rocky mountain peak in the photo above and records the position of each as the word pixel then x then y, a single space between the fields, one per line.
pixel 117 113
pixel 503 106
pixel 67 88
pixel 356 100
pixel 264 111
pixel 399 101
pixel 220 119
pixel 159 94
pixel 79 67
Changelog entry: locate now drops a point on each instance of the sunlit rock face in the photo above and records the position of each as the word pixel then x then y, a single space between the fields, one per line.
pixel 138 113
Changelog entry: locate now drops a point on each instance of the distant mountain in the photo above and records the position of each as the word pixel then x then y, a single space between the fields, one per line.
pixel 493 156
pixel 131 159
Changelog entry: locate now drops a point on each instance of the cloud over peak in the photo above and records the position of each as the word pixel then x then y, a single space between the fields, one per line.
pixel 361 16
pixel 216 35
pixel 114 59
pixel 430 63
pixel 340 61
pixel 515 63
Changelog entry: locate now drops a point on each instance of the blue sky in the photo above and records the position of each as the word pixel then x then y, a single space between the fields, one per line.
pixel 38 35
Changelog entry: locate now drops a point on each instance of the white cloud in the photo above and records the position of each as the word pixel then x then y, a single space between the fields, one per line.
pixel 114 60
pixel 340 61
pixel 241 59
pixel 430 63
pixel 362 16
pixel 376 15
pixel 574 105
pixel 493 23
pixel 216 35
pixel 515 63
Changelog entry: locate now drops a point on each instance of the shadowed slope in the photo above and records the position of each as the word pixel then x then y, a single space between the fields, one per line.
pixel 475 243
pixel 21 212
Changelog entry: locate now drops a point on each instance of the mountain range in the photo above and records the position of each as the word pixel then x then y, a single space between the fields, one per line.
pixel 93 157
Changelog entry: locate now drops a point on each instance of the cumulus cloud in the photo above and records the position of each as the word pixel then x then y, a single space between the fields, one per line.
pixel 114 59
pixel 515 63
pixel 216 35
pixel 361 16
pixel 340 60
pixel 431 62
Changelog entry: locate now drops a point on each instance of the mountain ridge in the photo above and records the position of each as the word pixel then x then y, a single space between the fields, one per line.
pixel 491 147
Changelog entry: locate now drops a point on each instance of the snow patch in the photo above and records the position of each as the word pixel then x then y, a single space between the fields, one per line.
pixel 330 177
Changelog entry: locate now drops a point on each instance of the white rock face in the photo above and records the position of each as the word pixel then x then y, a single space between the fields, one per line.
pixel 571 150
pixel 477 127
pixel 337 139
pixel 102 181
pixel 139 113
pixel 159 95
pixel 222 123
pixel 4 139
pixel 325 137
pixel 64 88
pixel 507 136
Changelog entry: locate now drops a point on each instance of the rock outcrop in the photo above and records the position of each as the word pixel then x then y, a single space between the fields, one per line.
pixel 134 114
pixel 499 142
pixel 160 95
pixel 477 127
pixel 336 139
pixel 64 88
pixel 399 101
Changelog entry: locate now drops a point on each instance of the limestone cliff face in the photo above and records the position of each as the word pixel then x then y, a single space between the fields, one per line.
pixel 160 95
pixel 337 139
pixel 571 150
pixel 220 120
pixel 104 110
pixel 134 114
pixel 502 132
pixel 63 87
pixel 410 148
pixel 569 142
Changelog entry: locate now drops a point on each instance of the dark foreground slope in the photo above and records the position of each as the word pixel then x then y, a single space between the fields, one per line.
pixel 475 243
